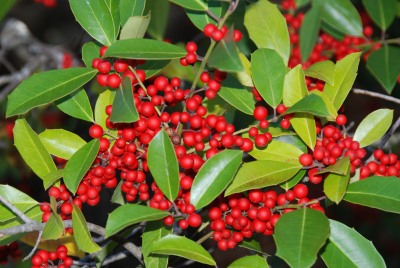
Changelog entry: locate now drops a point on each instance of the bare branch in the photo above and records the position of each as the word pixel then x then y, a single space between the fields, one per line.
pixel 391 131
pixel 17 212
pixel 376 95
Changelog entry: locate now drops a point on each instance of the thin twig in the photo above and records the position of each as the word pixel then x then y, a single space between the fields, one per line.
pixel 34 247
pixel 387 136
pixel 16 211
pixel 375 95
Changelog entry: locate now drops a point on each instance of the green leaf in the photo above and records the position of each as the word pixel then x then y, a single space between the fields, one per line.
pixel 347 248
pixel 381 12
pixel 153 232
pixel 342 16
pixel 225 56
pixel 335 185
pixel 124 109
pixel 106 98
pixel 43 88
pixel 300 3
pixel 384 66
pixel 237 95
pixel 77 105
pixel 32 149
pixel 152 67
pixel 52 177
pixel 373 127
pixel 268 70
pixel 130 214
pixel 293 181
pixel 376 192
pixel 54 227
pixel 322 70
pixel 117 196
pixel 99 18
pixel 311 104
pixel 293 140
pixel 130 8
pixel 267 28
pixel 135 27
pixel 160 12
pixel 144 49
pixel 163 164
pixel 299 235
pixel 201 18
pixel 283 151
pixel 328 104
pixel 304 125
pixel 251 244
pixel 6 5
pixel 345 74
pixel 18 199
pixel 260 174
pixel 244 76
pixel 309 31
pixel 198 5
pixel 61 143
pixel 81 232
pixel 90 51
pixel 214 176
pixel 327 28
pixel 294 87
pixel 182 247
pixel 341 167
pixel 79 164
pixel 254 260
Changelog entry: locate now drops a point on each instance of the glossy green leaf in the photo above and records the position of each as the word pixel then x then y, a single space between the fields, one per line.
pixel 153 67
pixel 335 185
pixel 293 181
pixel 244 76
pixel 52 177
pixel 327 28
pixel 376 192
pixel 105 98
pixel 32 149
pixel 322 70
pixel 160 12
pixel 130 8
pixel 268 70
pixel 5 6
pixel 198 5
pixel 342 16
pixel 373 127
pixel 124 109
pixel 225 55
pixel 46 87
pixel 328 104
pixel 383 64
pixel 237 95
pixel 61 143
pixel 347 248
pixel 201 18
pixel 99 18
pixel 309 31
pixel 255 261
pixel 300 3
pixel 163 164
pixel 299 235
pixel 79 164
pixel 182 247
pixel 144 49
pixel 267 28
pixel 135 27
pixel 117 196
pixel 18 199
pixel 311 104
pixel 294 87
pixel 282 151
pixel 304 125
pixel 54 227
pixel 154 231
pixel 381 12
pixel 260 174
pixel 81 232
pixel 251 244
pixel 345 74
pixel 214 176
pixel 293 140
pixel 341 167
pixel 90 51
pixel 130 214
pixel 77 105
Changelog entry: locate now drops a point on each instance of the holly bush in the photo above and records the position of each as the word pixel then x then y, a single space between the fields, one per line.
pixel 213 144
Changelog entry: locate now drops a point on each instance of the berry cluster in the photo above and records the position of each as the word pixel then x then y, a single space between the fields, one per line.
pixel 384 165
pixel 212 31
pixel 9 250
pixel 58 258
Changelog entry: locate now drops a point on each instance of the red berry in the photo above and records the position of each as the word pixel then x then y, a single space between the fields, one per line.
pixel 209 29
pixel 66 208
pixel 341 120
pixel 96 131
pixel 194 220
pixel 260 113
pixel 113 80
pixel 306 160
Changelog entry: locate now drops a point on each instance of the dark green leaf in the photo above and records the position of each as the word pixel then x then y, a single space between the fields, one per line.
pixel 124 109
pixel 152 67
pixel 130 8
pixel 81 232
pixel 201 18
pixel 282 151
pixel 373 127
pixel 214 176
pixel 347 248
pixel 376 192
pixel 130 214
pixel 304 125
pixel 52 177
pixel 61 143
pixel 267 28
pixel 77 105
pixel 300 3
pixel 163 164
pixel 144 49
pixel 260 174
pixel 322 70
pixel 106 98
pixel 154 231
pixel 198 5
pixel 384 66
pixel 327 28
pixel 251 244
pixel 90 51
pixel 381 12
pixel 299 235
pixel 294 87
pixel 328 104
pixel 311 104
pixel 43 88
pixel 5 6
pixel 335 185
pixel 237 95
pixel 135 27
pixel 254 260
pixel 293 181
pixel 159 12
pixel 117 196
pixel 309 31
pixel 79 164
pixel 268 70
pixel 18 199
pixel 32 149
pixel 182 247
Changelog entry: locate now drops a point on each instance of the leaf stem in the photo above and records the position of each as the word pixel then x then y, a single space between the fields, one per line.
pixel 204 238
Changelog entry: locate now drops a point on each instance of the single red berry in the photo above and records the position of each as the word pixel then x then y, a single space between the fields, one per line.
pixel 260 113
pixel 306 160
pixel 209 29
pixel 217 35
pixel 191 47
pixel 96 131
pixel 341 120
pixel 237 35
pixel 66 208
pixel 113 80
